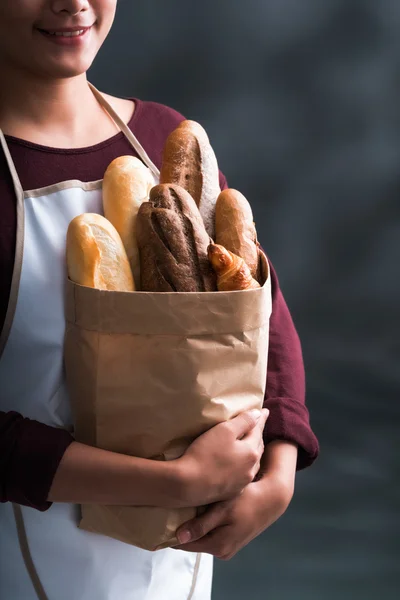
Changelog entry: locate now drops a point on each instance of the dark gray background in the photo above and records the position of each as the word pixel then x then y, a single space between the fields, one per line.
pixel 300 99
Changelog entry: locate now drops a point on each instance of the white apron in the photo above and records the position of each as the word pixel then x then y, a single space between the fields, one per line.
pixel 45 555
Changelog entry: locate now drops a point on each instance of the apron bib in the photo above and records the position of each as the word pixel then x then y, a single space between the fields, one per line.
pixel 45 555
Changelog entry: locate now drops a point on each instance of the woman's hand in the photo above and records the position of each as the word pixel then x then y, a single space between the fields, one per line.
pixel 226 527
pixel 223 461
pixel 217 466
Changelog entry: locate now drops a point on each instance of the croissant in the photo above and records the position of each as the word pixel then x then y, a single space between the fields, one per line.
pixel 232 271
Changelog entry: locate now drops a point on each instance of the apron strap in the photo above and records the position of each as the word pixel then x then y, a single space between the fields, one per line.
pixel 195 576
pixel 19 247
pixel 26 554
pixel 118 121
pixel 125 129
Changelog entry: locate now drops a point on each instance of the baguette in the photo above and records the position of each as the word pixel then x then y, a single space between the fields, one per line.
pixel 126 185
pixel 189 161
pixel 235 228
pixel 96 256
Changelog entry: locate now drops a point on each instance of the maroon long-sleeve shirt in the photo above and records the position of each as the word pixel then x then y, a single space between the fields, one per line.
pixel 30 452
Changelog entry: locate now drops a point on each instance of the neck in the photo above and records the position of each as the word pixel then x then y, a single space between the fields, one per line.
pixel 63 112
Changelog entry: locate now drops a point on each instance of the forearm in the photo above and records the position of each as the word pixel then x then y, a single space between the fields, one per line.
pixel 280 458
pixel 89 475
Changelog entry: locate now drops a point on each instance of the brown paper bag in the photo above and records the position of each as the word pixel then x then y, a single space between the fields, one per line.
pixel 149 372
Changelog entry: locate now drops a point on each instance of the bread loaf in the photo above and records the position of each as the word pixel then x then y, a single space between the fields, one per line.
pixel 232 271
pixel 235 228
pixel 96 256
pixel 189 161
pixel 173 243
pixel 126 185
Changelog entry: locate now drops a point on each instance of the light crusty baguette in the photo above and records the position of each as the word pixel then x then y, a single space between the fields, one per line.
pixel 173 243
pixel 189 161
pixel 96 256
pixel 235 228
pixel 126 185
pixel 232 271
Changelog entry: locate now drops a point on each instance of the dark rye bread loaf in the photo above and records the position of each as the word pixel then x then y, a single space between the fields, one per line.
pixel 173 243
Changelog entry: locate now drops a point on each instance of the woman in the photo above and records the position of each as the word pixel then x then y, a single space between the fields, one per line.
pixel 59 136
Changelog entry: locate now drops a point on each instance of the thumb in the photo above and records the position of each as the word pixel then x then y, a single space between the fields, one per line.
pixel 200 526
pixel 245 422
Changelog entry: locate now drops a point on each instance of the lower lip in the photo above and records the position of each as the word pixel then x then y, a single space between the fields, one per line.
pixel 73 40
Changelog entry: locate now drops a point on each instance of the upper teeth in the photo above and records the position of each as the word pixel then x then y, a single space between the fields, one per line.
pixel 67 33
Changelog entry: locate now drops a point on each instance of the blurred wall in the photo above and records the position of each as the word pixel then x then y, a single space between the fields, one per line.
pixel 301 101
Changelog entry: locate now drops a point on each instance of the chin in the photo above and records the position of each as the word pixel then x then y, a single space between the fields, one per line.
pixel 67 72
pixel 64 70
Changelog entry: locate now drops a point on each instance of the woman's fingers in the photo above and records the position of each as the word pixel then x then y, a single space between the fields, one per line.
pixel 200 526
pixel 244 423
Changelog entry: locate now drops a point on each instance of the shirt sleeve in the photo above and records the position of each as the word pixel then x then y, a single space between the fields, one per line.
pixel 285 391
pixel 289 418
pixel 30 453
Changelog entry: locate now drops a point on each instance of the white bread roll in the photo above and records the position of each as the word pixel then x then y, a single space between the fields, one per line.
pixel 96 256
pixel 126 185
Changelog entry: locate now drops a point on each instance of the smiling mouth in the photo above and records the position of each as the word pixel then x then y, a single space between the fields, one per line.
pixel 65 33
